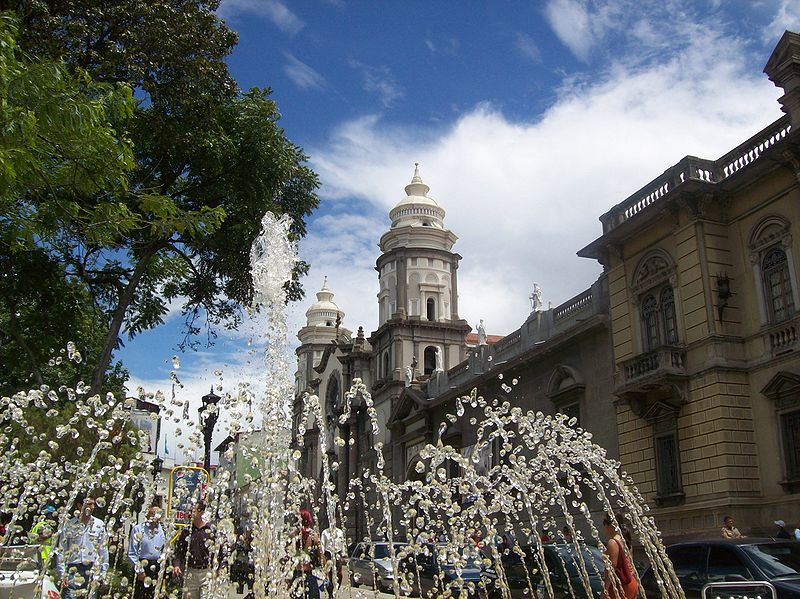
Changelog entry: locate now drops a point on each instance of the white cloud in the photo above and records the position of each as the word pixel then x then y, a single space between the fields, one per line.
pixel 787 16
pixel 524 196
pixel 302 75
pixel 527 47
pixel 448 45
pixel 380 82
pixel 571 22
pixel 273 10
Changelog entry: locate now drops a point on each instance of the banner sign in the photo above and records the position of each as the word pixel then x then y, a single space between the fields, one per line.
pixel 143 420
pixel 187 486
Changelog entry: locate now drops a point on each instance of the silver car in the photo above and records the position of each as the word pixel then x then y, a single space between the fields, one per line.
pixel 20 566
pixel 371 564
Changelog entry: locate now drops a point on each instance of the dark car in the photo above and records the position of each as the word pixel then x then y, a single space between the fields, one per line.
pixel 434 568
pixel 742 560
pixel 569 568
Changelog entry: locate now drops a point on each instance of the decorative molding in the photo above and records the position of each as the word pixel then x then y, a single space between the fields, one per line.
pixel 654 268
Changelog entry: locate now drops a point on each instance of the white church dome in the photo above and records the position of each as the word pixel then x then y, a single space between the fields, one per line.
pixel 417 209
pixel 324 312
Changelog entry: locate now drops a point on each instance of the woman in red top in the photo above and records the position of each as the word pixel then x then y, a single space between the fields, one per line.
pixel 615 550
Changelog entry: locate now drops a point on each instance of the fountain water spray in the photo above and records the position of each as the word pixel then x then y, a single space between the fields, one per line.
pixel 543 473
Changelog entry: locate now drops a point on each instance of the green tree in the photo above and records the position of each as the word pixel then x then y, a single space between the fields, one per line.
pixel 210 159
pixel 57 140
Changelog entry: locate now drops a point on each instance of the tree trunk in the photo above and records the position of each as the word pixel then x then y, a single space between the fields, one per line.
pixel 98 376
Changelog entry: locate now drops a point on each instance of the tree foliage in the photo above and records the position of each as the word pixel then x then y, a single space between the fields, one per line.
pixel 175 222
pixel 57 140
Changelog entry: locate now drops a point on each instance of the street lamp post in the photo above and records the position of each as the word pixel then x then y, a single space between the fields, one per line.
pixel 208 419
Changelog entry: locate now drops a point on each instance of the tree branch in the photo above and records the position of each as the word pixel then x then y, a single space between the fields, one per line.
pixel 120 310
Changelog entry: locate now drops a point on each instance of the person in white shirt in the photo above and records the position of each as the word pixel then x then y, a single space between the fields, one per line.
pixel 145 549
pixel 334 549
pixel 82 553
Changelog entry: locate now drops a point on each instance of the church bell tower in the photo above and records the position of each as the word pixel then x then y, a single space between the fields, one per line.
pixel 419 326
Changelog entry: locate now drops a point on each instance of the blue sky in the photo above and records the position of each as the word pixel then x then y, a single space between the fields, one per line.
pixel 529 120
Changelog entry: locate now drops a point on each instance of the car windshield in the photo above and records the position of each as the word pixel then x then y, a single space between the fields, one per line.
pixel 776 559
pixel 19 559
pixel 382 550
pixel 571 558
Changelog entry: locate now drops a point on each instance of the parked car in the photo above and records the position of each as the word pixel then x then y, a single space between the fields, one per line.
pixel 563 562
pixel 435 568
pixel 371 564
pixel 20 566
pixel 741 560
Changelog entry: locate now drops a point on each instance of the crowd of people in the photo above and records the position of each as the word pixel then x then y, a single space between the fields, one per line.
pixel 80 551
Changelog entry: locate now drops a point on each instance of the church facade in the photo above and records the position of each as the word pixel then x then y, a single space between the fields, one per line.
pixel 682 359
pixel 423 356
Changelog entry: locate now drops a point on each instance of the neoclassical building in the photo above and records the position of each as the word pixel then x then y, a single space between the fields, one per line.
pixel 702 273
pixel 682 359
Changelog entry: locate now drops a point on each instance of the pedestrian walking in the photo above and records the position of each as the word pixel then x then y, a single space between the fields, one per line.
pixel 145 549
pixel 82 553
pixel 334 550
pixel 729 531
pixel 622 584
pixel 192 557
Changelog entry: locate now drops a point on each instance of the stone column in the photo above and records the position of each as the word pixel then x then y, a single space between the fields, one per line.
pixel 402 284
pixel 454 288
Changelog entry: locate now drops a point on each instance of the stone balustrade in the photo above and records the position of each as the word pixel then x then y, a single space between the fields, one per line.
pixel 697 169
pixel 665 360
pixel 538 329
pixel 579 303
pixel 783 340
pixel 458 369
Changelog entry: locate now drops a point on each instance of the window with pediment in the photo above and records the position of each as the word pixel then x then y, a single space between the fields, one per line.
pixel 663 418
pixel 790 426
pixel 653 288
pixel 784 391
pixel 773 269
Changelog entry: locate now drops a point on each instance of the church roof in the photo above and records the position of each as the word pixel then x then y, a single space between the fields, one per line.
pixel 472 339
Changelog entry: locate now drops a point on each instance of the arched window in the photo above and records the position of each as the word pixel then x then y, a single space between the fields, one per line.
pixel 429 360
pixel 668 316
pixel 653 284
pixel 431 308
pixel 777 285
pixel 650 322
